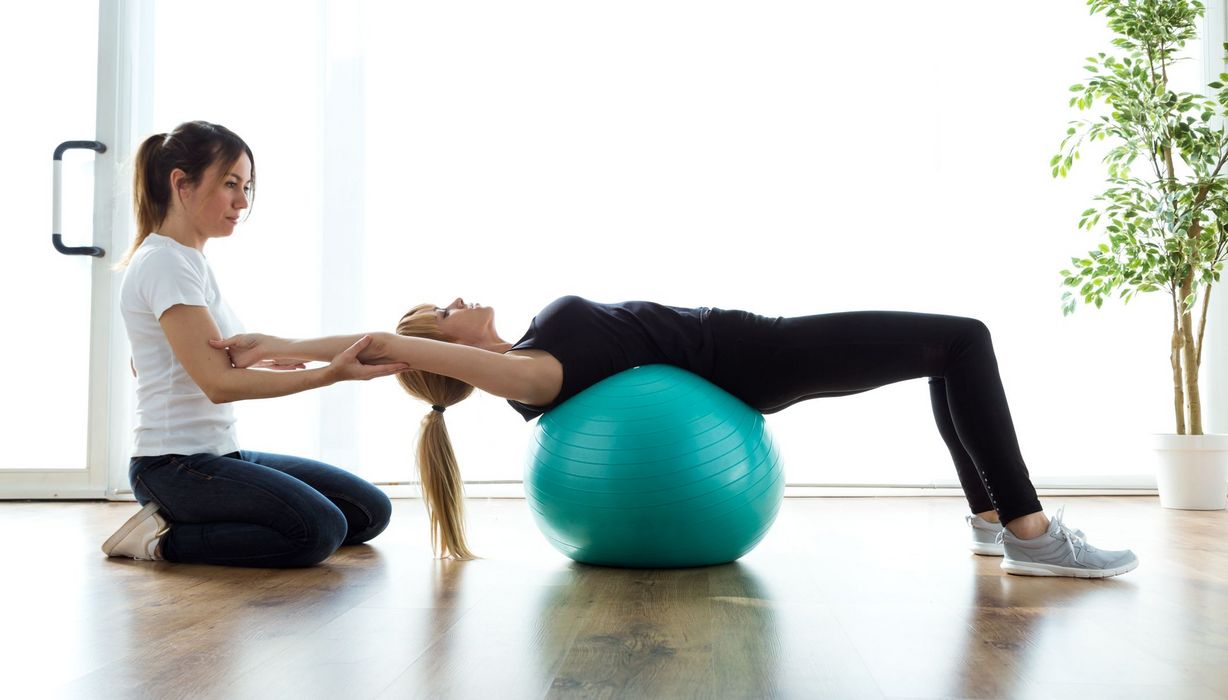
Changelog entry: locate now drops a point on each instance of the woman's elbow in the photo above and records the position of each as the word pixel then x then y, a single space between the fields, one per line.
pixel 218 395
pixel 218 391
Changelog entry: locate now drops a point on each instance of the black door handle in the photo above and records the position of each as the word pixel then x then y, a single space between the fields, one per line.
pixel 55 199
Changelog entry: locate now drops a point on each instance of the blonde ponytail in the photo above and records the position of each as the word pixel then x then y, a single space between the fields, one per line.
pixel 442 488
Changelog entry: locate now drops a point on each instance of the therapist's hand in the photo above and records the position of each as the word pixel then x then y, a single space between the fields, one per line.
pixel 256 350
pixel 347 366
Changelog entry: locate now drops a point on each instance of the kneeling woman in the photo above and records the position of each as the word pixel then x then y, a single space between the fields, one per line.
pixel 770 363
pixel 205 500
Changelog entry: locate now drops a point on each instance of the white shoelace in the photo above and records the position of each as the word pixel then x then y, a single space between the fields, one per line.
pixel 1074 540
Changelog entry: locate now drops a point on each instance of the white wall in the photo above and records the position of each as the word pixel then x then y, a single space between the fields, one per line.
pixel 785 157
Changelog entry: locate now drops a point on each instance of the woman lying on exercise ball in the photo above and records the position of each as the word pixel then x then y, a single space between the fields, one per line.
pixel 769 363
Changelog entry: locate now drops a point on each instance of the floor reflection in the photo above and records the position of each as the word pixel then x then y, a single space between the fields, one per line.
pixel 626 629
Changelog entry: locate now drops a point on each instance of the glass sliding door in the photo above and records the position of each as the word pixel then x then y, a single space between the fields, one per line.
pixel 47 294
pixel 60 350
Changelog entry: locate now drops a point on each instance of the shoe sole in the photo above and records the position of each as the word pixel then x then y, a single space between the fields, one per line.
pixel 987 550
pixel 1032 569
pixel 125 529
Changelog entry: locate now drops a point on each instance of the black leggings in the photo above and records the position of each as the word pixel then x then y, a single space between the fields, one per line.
pixel 772 363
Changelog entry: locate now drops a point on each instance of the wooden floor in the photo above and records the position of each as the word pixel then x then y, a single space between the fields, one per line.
pixel 846 598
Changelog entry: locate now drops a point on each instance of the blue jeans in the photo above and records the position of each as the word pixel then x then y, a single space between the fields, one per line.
pixel 257 509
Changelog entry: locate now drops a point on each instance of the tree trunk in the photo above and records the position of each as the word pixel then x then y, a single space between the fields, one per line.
pixel 1175 359
pixel 1190 364
pixel 1191 355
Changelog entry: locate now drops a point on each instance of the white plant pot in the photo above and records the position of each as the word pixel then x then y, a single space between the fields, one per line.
pixel 1192 471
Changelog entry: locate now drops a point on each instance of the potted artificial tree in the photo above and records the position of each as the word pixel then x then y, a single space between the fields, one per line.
pixel 1164 214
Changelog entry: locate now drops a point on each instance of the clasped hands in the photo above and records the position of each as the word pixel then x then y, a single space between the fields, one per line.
pixel 362 360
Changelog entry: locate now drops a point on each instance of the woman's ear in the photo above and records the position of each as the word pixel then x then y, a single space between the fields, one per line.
pixel 179 181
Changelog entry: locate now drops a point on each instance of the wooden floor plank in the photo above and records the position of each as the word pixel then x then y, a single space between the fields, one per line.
pixel 511 641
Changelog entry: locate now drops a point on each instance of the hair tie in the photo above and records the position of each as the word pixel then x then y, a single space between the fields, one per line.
pixel 437 408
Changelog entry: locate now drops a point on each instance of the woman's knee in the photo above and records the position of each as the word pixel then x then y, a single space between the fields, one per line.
pixel 324 532
pixel 974 331
pixel 378 510
pixel 976 326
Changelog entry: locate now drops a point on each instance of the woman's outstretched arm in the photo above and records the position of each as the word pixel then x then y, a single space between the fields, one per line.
pixel 188 327
pixel 253 349
pixel 508 376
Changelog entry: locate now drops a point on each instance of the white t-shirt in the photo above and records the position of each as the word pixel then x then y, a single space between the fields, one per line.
pixel 173 416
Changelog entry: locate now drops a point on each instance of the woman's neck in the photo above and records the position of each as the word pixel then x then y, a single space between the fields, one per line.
pixel 493 341
pixel 178 230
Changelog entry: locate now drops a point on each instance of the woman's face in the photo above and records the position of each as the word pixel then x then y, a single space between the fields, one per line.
pixel 215 204
pixel 468 324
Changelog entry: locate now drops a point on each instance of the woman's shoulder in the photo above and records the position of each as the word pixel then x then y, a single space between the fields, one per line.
pixel 155 246
pixel 156 266
pixel 159 252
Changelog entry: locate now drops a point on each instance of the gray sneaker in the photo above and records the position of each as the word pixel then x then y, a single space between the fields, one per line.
pixel 985 539
pixel 1062 552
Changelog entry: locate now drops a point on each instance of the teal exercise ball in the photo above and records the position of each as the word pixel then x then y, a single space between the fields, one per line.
pixel 653 467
